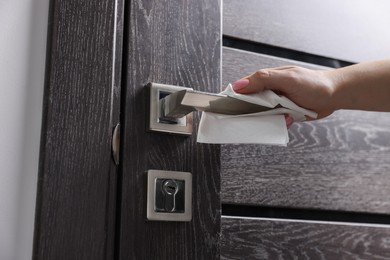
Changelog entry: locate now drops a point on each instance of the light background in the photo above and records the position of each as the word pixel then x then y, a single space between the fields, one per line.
pixel 23 34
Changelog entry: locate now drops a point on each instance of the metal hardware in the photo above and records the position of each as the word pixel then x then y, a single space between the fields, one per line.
pixel 169 195
pixel 158 122
pixel 180 103
pixel 171 107
pixel 115 142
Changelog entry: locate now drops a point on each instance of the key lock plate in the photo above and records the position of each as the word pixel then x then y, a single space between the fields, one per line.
pixel 169 195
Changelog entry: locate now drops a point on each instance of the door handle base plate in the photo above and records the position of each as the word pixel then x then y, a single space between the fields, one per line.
pixel 157 122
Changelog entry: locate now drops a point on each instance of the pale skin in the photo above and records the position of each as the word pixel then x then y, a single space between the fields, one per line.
pixel 364 86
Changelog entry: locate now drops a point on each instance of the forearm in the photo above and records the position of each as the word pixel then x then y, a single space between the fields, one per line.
pixel 364 86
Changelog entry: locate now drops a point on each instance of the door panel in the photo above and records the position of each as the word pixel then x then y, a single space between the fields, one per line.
pixel 289 239
pixel 335 169
pixel 75 209
pixel 346 30
pixel 178 43
pixel 338 163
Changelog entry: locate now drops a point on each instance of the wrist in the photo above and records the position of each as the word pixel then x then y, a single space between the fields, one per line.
pixel 337 90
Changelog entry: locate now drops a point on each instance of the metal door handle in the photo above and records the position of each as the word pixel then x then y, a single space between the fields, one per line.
pixel 171 107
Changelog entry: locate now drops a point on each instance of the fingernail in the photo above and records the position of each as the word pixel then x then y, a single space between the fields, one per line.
pixel 289 121
pixel 240 84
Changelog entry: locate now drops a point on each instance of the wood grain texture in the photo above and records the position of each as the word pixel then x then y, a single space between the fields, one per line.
pixel 237 64
pixel 347 30
pixel 75 210
pixel 178 43
pixel 276 239
pixel 338 163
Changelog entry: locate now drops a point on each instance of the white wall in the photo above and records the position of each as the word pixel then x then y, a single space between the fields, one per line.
pixel 23 28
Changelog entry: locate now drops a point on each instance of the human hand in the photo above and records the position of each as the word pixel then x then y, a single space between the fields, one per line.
pixel 310 89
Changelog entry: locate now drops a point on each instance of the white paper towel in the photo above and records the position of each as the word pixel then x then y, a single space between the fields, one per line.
pixel 267 127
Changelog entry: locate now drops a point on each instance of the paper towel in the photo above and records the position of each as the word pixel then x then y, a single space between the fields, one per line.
pixel 267 127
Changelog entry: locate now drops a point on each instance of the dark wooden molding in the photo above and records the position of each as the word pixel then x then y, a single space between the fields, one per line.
pixel 177 43
pixel 75 209
pixel 237 63
pixel 276 51
pixel 284 239
pixel 256 211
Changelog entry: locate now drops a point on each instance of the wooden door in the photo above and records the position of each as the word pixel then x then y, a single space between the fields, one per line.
pixel 176 43
pixel 325 195
pixel 100 56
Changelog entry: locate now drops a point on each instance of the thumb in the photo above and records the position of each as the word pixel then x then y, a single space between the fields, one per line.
pixel 259 81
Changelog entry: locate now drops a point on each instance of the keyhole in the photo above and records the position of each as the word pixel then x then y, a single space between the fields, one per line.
pixel 170 187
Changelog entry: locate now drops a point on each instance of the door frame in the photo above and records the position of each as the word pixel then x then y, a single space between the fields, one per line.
pixel 82 198
pixel 77 178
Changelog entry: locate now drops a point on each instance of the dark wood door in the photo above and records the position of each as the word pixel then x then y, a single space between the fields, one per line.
pixel 100 56
pixel 325 195
pixel 176 43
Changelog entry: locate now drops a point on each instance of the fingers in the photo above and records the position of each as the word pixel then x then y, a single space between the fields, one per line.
pixel 262 79
pixel 240 84
pixel 289 120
